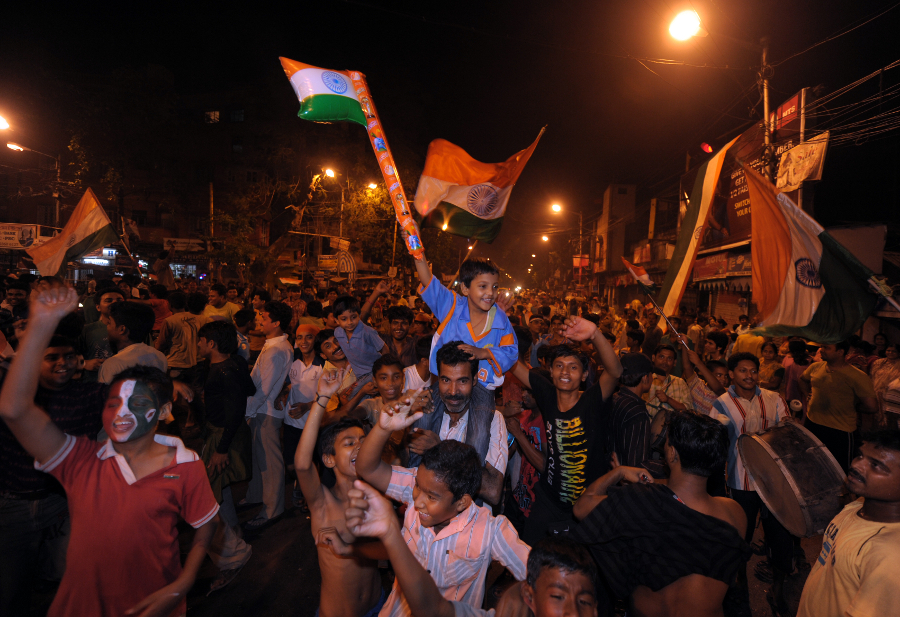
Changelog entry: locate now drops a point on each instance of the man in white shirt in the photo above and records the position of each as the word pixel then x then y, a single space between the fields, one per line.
pixel 418 376
pixel 269 374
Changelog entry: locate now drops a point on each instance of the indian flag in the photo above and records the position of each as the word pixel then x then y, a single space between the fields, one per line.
pixel 325 95
pixel 805 283
pixel 88 229
pixel 640 275
pixel 463 196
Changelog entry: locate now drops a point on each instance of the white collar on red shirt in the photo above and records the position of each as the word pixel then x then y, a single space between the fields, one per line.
pixel 182 454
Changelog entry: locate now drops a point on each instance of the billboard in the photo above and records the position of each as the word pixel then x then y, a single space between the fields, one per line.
pixel 14 236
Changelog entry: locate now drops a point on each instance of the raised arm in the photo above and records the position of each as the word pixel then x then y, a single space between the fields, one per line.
pixel 423 270
pixel 522 373
pixel 380 289
pixel 580 329
pixel 596 492
pixel 392 417
pixel 307 476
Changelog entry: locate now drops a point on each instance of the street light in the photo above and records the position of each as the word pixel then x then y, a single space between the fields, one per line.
pixel 329 173
pixel 14 146
pixel 372 185
pixel 556 208
pixel 685 25
pixel 544 238
pixel 533 255
pixel 3 124
pixel 20 148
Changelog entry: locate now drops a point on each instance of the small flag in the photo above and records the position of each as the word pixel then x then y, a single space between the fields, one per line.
pixel 805 283
pixel 692 230
pixel 325 95
pixel 640 275
pixel 466 197
pixel 88 229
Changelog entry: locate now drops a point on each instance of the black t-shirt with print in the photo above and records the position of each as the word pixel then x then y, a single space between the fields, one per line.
pixel 575 441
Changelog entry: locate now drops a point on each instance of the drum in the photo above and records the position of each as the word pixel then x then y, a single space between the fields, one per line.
pixel 795 475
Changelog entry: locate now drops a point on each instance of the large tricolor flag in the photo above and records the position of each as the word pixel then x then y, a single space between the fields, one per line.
pixel 466 197
pixel 88 229
pixel 805 283
pixel 692 230
pixel 325 95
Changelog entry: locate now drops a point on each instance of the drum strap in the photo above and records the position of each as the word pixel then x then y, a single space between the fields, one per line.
pixel 762 408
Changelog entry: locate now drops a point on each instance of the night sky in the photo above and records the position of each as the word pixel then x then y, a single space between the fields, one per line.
pixel 488 76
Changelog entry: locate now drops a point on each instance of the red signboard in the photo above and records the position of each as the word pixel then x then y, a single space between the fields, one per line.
pixel 711 267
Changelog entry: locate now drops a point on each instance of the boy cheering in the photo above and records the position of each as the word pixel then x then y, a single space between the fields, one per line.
pixel 125 496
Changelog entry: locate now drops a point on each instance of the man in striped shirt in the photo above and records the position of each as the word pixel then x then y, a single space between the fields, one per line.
pixel 746 410
pixel 454 539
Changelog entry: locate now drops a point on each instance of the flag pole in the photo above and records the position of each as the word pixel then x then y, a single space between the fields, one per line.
pixel 664 317
pixel 882 289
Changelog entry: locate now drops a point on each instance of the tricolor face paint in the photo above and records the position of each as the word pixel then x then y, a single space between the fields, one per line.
pixel 131 411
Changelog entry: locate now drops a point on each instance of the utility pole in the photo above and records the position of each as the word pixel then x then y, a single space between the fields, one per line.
pixel 56 195
pixel 768 157
pixel 211 227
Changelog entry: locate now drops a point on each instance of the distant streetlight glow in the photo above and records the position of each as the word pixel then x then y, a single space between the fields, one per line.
pixel 556 208
pixel 372 185
pixel 706 148
pixel 544 238
pixel 3 123
pixel 329 173
pixel 470 248
pixel 685 25
pixel 17 147
pixel 533 255
pixel 444 228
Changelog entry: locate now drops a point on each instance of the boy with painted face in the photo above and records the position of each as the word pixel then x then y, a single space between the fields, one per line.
pixel 123 554
pixel 442 526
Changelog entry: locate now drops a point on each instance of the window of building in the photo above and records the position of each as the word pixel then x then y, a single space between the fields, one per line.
pixel 211 117
pixel 237 115
pixel 252 176
pixel 237 143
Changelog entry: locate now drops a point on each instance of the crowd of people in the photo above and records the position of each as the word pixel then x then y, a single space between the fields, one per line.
pixel 592 452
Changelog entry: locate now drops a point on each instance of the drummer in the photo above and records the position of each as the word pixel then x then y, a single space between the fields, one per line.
pixel 747 410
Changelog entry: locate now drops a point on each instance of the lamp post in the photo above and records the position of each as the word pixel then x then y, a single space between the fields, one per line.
pixel 557 209
pixel 20 148
pixel 687 24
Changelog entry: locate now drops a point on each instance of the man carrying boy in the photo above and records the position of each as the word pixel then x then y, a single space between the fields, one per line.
pixel 442 527
pixel 361 343
pixel 125 495
pixel 482 327
pixel 269 373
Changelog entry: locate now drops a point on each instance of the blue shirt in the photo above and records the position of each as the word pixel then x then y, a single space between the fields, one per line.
pixel 453 312
pixel 362 349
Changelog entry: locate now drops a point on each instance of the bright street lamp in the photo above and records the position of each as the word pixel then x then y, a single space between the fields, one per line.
pixel 3 123
pixel 15 146
pixel 544 238
pixel 685 25
pixel 533 255
pixel 556 208
pixel 329 173
pixel 470 248
pixel 372 185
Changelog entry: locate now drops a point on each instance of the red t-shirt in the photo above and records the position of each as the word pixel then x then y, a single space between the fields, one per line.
pixel 523 493
pixel 161 310
pixel 124 542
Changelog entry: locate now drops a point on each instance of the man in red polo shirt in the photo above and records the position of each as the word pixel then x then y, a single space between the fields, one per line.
pixel 126 495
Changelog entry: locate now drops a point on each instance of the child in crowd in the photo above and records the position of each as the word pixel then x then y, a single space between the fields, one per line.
pixel 442 524
pixel 418 376
pixel 126 495
pixel 244 321
pixel 388 382
pixel 128 326
pixel 478 322
pixel 330 352
pixel 361 343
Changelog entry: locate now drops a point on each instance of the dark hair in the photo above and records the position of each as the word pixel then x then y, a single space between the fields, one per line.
pixel 423 347
pixel 110 290
pixel 451 355
pixel 563 553
pixel 399 312
pixel 177 300
pixel 321 337
pixel 712 365
pixel 264 295
pixel 738 357
pixel 137 317
pixel 544 352
pixel 155 379
pixel 744 316
pixel 770 344
pixel 843 346
pixel 314 308
pixel 594 319
pixel 557 318
pixel 702 443
pixel 471 268
pixel 719 339
pixel 279 312
pixel 344 304
pixel 664 347
pixel 455 464
pixel 524 339
pixel 636 335
pixel 326 311
pixel 196 302
pixel 566 351
pixel 328 434
pixel 20 285
pixel 632 324
pixel 219 288
pixel 222 333
pixel 61 341
pixel 545 312
pixel 386 360
pixel 243 316
pixel 675 319
pixel 160 291
pixel 883 439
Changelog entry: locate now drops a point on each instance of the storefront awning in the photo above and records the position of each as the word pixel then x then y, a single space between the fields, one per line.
pixel 736 284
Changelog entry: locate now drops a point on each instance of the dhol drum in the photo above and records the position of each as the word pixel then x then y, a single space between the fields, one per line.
pixel 795 475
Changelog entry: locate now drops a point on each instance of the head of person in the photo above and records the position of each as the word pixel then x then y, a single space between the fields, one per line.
pixel 447 480
pixel 880 341
pixel 743 370
pixel 346 312
pixel 557 324
pixel 177 300
pixel 231 294
pixel 769 351
pixel 568 367
pixel 525 339
pixel 217 335
pixel 835 352
pixel 697 442
pixel 328 317
pixel 192 285
pixel 479 281
pixel 537 325
pixel 457 373
pixel 159 292
pixel 275 318
pixel 106 298
pixel 339 444
pixel 423 349
pixel 875 473
pixel 561 579
pixel 744 320
pixel 244 318
pixel 664 358
pixel 218 295
pixel 305 340
pixel 314 309
pixel 195 302
pixel 387 373
pixel 138 397
pixel 59 364
pixel 720 370
pixel 637 372
pixel 331 295
pixel 892 352
pixel 259 299
pixel 129 322
pixel 400 319
pixel 634 338
pixel 716 342
pixel 676 322
pixel 327 347
pixel 125 286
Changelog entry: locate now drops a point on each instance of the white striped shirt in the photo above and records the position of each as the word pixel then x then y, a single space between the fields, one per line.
pixel 457 557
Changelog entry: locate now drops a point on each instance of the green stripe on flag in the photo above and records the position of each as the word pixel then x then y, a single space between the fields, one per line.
pixel 100 238
pixel 331 108
pixel 847 303
pixel 460 222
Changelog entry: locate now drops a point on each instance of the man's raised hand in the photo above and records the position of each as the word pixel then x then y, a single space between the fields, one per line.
pixel 329 382
pixel 369 514
pixel 578 329
pixel 53 302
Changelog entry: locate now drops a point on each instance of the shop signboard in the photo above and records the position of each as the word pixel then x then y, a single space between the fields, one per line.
pixel 711 267
pixel 328 263
pixel 14 236
pixel 184 245
pixel 739 264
